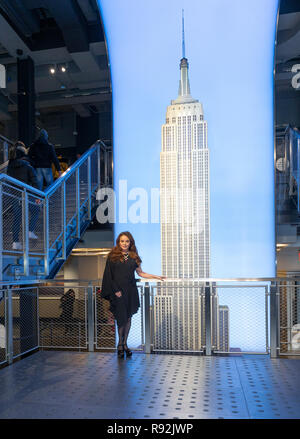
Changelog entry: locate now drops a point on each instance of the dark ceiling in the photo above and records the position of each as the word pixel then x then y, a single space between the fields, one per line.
pixel 69 33
pixel 55 33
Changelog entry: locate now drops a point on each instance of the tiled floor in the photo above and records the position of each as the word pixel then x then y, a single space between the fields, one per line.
pixel 68 385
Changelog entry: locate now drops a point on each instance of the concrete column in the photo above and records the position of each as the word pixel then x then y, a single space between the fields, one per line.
pixel 26 101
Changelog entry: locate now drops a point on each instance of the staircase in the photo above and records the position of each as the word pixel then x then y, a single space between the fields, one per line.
pixel 58 217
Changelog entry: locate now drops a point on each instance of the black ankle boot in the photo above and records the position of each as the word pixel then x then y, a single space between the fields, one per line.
pixel 120 351
pixel 127 350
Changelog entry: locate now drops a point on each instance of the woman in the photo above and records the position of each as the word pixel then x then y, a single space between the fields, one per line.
pixel 119 286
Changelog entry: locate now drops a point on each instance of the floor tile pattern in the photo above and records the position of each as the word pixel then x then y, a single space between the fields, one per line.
pixel 68 385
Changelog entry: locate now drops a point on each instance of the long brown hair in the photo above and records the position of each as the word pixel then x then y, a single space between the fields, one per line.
pixel 116 252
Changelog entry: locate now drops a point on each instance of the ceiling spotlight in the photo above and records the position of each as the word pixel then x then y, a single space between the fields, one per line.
pixel 63 69
pixel 52 70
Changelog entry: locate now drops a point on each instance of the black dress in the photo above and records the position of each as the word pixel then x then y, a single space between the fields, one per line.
pixel 119 276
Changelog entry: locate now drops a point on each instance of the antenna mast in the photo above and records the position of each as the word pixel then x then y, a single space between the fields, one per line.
pixel 183 43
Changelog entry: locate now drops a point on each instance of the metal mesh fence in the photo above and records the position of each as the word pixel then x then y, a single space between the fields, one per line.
pixel 135 339
pixel 55 215
pixel 63 317
pixel 36 224
pixel 94 170
pixel 71 197
pixel 12 231
pixel 289 331
pixel 83 177
pixel 84 211
pixel 60 316
pixel 65 210
pixel 25 320
pixel 3 340
pixel 241 318
pixel 238 318
pixel 177 317
pixel 105 330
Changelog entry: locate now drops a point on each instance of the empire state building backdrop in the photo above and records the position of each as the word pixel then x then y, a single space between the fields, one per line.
pixel 184 183
pixel 221 224
pixel 179 322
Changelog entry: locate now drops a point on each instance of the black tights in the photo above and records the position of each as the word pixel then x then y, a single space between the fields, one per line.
pixel 123 332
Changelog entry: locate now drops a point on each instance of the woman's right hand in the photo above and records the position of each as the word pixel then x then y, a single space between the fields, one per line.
pixel 118 294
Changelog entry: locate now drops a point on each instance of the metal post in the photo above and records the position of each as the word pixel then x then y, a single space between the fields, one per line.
pixel 98 167
pixel 147 318
pixel 46 236
pixel 267 317
pixel 89 176
pixel 142 317
pixel 63 219
pixel 9 331
pixel 25 232
pixel 38 315
pixel 90 316
pixel 207 319
pixel 78 203
pixel 274 319
pixel 79 335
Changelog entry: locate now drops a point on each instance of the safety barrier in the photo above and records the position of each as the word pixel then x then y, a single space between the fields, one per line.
pixel 39 229
pixel 208 317
pixel 289 310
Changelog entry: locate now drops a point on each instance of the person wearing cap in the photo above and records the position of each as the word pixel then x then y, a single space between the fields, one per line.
pixel 42 154
pixel 20 169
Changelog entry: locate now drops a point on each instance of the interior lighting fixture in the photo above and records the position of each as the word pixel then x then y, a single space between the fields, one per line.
pixel 63 69
pixel 90 251
pixel 52 70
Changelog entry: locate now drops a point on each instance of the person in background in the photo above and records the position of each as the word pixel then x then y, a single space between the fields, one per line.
pixel 20 169
pixel 67 305
pixel 63 166
pixel 42 153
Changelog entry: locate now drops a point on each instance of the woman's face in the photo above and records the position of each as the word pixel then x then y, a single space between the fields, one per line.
pixel 124 243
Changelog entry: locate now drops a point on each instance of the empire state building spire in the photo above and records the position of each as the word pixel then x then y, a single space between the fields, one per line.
pixel 183 42
pixel 184 92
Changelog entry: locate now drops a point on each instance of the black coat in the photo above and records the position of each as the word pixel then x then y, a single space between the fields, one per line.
pixel 119 276
pixel 23 171
pixel 43 155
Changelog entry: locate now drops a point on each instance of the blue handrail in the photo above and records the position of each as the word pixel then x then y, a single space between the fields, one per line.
pixel 64 212
pixel 57 182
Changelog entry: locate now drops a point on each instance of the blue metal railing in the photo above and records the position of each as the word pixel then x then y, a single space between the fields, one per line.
pixel 60 215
